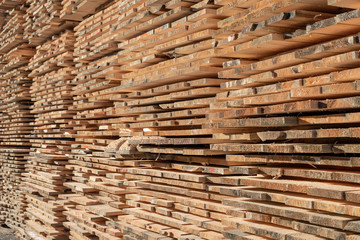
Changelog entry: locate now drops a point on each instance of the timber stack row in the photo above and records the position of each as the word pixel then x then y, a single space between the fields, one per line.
pixel 51 68
pixel 16 118
pixel 173 119
pixel 294 113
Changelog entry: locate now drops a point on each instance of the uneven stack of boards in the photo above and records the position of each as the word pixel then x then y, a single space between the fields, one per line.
pixel 15 119
pixel 174 119
pixel 52 98
pixel 294 113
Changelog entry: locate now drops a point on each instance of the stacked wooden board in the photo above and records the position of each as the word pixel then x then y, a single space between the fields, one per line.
pixel 42 21
pixel 99 184
pixel 51 69
pixel 258 37
pixel 99 188
pixel 179 201
pixel 15 119
pixel 79 9
pixel 294 111
pixel 173 119
pixel 107 51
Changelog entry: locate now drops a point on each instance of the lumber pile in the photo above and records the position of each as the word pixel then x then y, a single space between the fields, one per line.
pixel 42 21
pixel 51 69
pixel 79 9
pixel 99 160
pixel 15 119
pixel 154 70
pixel 108 51
pixel 180 119
pixel 99 188
pixel 179 201
pixel 12 31
pixel 293 111
pixel 98 184
pixel 168 68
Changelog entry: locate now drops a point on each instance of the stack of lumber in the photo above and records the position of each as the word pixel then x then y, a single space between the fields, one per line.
pixel 170 64
pixel 42 21
pixel 180 119
pixel 141 40
pixel 179 201
pixel 46 173
pixel 98 185
pixel 153 71
pixel 291 108
pixel 79 9
pixel 12 31
pixel 15 118
pixel 170 70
